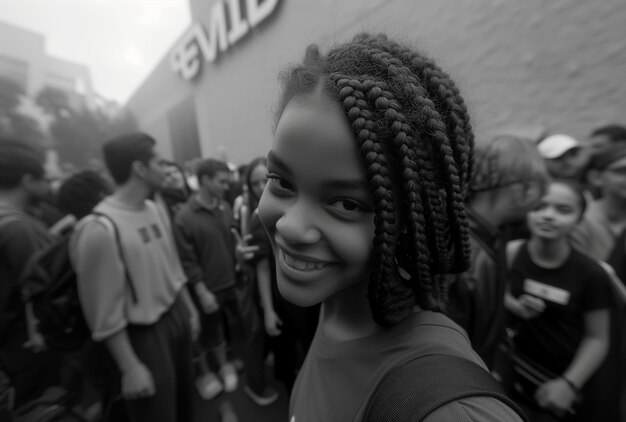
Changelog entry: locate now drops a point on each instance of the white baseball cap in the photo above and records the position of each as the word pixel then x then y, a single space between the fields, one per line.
pixel 556 145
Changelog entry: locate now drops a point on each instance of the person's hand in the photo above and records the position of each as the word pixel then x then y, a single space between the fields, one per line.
pixel 243 252
pixel 35 342
pixel 272 323
pixel 530 306
pixel 137 382
pixel 556 395
pixel 194 326
pixel 208 301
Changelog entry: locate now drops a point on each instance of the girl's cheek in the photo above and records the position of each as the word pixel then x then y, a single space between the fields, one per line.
pixel 269 210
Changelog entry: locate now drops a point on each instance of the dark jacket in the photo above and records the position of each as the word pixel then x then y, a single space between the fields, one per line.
pixel 205 244
pixel 477 296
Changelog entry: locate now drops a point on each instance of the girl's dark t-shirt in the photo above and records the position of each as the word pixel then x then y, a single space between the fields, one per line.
pixel 580 285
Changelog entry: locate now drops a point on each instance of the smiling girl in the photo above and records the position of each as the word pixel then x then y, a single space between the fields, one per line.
pixel 364 210
pixel 560 298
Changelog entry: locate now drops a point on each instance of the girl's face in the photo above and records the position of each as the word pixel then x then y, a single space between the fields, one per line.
pixel 317 208
pixel 557 213
pixel 258 179
pixel 173 178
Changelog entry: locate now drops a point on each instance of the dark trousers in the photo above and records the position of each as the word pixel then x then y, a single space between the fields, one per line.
pixel 254 335
pixel 166 349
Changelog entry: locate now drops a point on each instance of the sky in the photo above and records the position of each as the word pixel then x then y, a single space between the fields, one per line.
pixel 120 41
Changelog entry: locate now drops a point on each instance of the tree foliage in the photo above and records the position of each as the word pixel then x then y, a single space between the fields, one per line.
pixel 13 122
pixel 78 131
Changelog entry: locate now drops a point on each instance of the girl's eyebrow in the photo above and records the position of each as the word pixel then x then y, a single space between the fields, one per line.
pixel 272 158
pixel 345 184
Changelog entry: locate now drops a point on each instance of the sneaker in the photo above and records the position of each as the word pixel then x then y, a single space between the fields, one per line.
pixel 229 377
pixel 268 396
pixel 209 386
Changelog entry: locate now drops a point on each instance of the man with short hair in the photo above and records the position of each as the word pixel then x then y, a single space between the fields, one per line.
pixel 133 296
pixel 206 247
pixel 22 185
pixel 508 179
pixel 605 136
pixel 566 157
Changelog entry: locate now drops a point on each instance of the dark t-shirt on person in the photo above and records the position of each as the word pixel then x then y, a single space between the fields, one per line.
pixel 580 285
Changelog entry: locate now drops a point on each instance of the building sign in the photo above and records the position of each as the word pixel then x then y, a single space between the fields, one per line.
pixel 199 44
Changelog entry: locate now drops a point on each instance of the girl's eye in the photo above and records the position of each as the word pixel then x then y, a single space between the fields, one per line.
pixel 279 184
pixel 347 206
pixel 565 210
pixel 540 206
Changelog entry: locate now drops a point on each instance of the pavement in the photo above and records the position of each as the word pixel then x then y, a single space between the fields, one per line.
pixel 244 408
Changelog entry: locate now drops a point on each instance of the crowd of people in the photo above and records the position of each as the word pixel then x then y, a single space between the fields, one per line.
pixel 375 235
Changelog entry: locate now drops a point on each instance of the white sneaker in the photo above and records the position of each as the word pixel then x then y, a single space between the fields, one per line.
pixel 209 386
pixel 229 377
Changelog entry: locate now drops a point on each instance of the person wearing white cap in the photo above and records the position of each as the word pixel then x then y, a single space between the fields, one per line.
pixel 565 156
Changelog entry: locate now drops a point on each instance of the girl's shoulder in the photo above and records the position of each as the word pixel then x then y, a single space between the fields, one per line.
pixel 441 387
pixel 512 250
pixel 475 409
pixel 585 264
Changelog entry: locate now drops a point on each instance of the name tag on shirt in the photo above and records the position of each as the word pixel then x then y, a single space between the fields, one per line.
pixel 546 292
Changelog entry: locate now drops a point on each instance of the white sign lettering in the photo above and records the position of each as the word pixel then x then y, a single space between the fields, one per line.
pixel 197 44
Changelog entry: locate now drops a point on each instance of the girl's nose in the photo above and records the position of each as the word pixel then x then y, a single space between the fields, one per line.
pixel 548 213
pixel 297 225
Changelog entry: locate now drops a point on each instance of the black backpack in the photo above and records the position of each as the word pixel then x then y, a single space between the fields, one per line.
pixel 50 284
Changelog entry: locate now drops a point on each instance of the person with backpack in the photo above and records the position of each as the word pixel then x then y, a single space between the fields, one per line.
pixel 30 367
pixel 364 209
pixel 507 180
pixel 132 286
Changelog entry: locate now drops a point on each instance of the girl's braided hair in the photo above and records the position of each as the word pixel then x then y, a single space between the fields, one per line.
pixel 415 139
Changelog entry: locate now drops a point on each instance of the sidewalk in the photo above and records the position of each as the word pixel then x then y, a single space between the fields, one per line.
pixel 244 407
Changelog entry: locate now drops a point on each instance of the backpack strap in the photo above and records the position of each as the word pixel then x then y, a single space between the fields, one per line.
pixel 118 242
pixel 415 389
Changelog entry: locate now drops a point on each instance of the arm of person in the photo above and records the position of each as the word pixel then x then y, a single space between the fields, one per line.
pixel 185 244
pixel 474 409
pixel 20 243
pixel 137 381
pixel 194 319
pixel 264 282
pixel 559 394
pixel 102 293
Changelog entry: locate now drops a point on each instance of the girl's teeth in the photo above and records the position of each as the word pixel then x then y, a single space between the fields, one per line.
pixel 302 265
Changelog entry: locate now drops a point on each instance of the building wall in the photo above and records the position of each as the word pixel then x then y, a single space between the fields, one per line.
pixel 521 65
pixel 21 48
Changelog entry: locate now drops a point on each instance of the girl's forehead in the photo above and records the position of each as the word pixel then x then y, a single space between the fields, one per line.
pixel 314 137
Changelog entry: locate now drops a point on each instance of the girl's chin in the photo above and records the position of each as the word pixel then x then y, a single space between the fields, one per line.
pixel 295 296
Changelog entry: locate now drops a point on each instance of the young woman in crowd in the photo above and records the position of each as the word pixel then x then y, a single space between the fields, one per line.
pixel 560 301
pixel 364 209
pixel 290 327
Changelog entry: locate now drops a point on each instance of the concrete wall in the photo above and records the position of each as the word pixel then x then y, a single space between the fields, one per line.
pixel 29 47
pixel 523 65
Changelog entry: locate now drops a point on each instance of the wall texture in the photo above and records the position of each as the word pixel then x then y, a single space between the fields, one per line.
pixel 531 65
